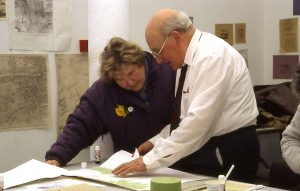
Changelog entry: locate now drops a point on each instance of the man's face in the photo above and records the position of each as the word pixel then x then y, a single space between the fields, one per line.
pixel 165 50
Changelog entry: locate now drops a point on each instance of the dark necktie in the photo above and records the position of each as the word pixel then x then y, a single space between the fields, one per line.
pixel 175 120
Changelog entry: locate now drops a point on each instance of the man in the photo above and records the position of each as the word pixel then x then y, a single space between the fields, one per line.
pixel 218 106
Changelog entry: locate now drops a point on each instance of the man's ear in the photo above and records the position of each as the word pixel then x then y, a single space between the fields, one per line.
pixel 175 34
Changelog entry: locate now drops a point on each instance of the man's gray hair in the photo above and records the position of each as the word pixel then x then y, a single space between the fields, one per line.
pixel 180 22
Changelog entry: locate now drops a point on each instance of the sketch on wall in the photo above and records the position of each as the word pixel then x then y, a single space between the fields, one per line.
pixel 70 89
pixel 240 33
pixel 225 32
pixel 24 92
pixel 288 35
pixel 284 66
pixel 33 16
pixel 2 9
pixel 244 53
pixel 40 25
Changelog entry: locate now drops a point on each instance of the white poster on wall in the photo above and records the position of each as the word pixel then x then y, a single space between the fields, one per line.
pixel 40 25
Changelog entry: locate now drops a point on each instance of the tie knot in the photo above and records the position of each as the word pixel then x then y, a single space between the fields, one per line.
pixel 183 68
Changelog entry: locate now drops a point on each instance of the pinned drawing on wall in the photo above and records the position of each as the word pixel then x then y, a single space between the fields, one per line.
pixel 288 35
pixel 284 66
pixel 40 25
pixel 3 10
pixel 25 100
pixel 225 31
pixel 192 19
pixel 296 7
pixel 70 89
pixel 240 33
pixel 244 53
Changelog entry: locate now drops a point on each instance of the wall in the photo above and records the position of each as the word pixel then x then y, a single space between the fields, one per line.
pixel 206 14
pixel 274 11
pixel 261 17
pixel 14 145
pixel 17 147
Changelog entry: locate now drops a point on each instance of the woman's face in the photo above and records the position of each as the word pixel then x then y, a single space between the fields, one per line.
pixel 130 77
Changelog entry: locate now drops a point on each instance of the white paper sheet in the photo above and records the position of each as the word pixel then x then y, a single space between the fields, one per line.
pixel 30 171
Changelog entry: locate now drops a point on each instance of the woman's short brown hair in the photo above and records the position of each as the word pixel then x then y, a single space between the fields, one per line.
pixel 116 53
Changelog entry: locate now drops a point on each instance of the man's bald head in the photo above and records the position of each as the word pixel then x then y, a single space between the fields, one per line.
pixel 166 20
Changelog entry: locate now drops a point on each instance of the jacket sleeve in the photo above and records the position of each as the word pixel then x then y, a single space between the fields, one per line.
pixel 82 128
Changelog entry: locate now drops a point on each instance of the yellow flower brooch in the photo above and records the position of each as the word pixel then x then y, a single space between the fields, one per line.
pixel 121 111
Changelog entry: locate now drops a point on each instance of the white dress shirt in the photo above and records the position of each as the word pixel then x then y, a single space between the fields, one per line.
pixel 217 98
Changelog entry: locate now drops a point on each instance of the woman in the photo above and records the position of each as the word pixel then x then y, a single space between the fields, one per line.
pixel 132 101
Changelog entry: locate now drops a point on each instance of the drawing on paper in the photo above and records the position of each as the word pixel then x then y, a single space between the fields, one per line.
pixel 130 185
pixel 2 9
pixel 33 16
pixel 69 87
pixel 24 92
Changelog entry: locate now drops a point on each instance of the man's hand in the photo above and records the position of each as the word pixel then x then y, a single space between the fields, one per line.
pixel 53 162
pixel 145 147
pixel 136 165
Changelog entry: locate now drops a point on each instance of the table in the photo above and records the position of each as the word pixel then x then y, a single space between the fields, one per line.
pixel 41 185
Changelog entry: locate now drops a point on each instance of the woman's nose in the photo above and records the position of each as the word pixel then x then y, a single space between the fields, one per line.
pixel 130 82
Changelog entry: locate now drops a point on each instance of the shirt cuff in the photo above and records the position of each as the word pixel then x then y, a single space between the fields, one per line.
pixel 150 164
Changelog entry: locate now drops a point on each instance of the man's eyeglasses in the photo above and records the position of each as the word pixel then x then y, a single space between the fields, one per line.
pixel 157 54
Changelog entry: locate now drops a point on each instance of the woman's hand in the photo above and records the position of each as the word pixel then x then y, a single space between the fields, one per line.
pixel 53 162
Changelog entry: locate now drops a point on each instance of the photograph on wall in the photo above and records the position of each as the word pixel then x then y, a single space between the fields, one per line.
pixel 40 25
pixel 25 101
pixel 296 7
pixel 288 35
pixel 192 19
pixel 33 16
pixel 225 32
pixel 3 10
pixel 244 53
pixel 240 33
pixel 284 66
pixel 70 89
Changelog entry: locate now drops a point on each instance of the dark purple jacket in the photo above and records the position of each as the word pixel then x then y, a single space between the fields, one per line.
pixel 96 114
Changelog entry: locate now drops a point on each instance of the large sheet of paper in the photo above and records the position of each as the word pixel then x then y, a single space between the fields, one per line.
pixel 136 181
pixel 35 170
pixel 70 89
pixel 40 25
pixel 30 171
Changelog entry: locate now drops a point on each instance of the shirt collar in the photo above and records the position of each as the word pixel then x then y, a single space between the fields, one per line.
pixel 193 45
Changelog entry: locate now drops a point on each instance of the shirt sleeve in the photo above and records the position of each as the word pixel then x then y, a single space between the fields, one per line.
pixel 290 143
pixel 165 132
